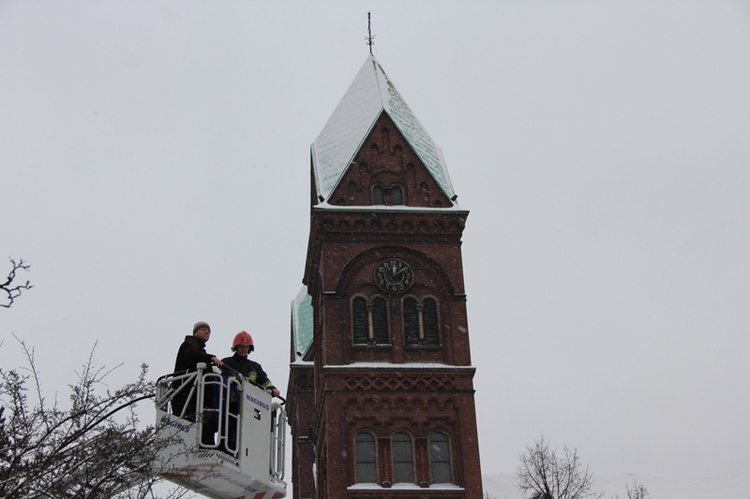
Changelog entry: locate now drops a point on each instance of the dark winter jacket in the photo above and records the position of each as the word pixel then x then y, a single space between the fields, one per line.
pixel 249 369
pixel 192 351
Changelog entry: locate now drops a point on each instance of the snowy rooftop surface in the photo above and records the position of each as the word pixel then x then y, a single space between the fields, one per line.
pixel 302 323
pixel 370 93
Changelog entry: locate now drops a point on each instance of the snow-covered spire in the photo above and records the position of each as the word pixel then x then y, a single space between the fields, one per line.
pixel 371 93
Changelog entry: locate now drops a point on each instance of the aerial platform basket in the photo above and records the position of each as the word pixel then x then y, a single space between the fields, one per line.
pixel 242 452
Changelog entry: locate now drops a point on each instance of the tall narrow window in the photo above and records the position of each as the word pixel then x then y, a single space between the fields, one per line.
pixel 397 196
pixel 440 458
pixel 411 321
pixel 370 321
pixel 378 195
pixel 403 458
pixel 359 321
pixel 421 322
pixel 365 458
pixel 430 319
pixel 380 321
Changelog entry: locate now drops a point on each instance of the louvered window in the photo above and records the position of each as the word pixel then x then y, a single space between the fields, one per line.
pixel 397 196
pixel 411 321
pixel 389 196
pixel 378 195
pixel 360 321
pixel 370 321
pixel 380 321
pixel 421 322
pixel 430 315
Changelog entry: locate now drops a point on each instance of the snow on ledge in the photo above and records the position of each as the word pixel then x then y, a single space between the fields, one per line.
pixel 404 486
pixel 391 365
pixel 383 207
pixel 300 362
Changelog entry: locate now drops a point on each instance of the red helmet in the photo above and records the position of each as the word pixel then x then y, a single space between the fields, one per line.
pixel 243 338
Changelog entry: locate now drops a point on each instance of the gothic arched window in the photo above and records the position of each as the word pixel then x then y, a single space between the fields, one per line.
pixel 440 458
pixel 403 458
pixel 365 458
pixel 370 321
pixel 421 323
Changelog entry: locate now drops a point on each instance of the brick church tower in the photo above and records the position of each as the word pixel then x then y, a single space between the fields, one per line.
pixel 380 396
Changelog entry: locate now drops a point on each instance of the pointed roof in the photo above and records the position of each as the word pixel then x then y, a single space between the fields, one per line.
pixel 370 94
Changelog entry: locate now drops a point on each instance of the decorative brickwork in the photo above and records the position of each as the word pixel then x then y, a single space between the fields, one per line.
pixel 422 383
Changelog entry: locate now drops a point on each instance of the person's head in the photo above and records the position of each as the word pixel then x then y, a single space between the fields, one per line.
pixel 243 344
pixel 202 330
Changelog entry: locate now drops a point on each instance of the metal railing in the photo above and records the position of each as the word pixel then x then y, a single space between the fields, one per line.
pixel 278 440
pixel 203 397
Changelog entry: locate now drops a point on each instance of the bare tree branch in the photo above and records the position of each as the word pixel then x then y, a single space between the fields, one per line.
pixel 96 447
pixel 544 475
pixel 11 289
pixel 637 491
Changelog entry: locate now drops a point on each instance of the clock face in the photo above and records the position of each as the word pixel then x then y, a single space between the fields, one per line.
pixel 394 275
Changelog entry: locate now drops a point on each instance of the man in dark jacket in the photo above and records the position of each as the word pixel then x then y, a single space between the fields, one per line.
pixel 193 351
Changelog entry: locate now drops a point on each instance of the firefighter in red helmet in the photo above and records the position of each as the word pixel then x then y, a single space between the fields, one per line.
pixel 239 363
pixel 242 346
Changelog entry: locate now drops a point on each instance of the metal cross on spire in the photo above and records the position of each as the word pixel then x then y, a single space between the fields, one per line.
pixel 370 38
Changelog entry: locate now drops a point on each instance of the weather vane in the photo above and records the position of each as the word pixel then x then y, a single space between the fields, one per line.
pixel 369 38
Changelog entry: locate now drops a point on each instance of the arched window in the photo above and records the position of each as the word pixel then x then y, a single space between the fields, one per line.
pixel 365 457
pixel 378 195
pixel 421 323
pixel 411 321
pixel 403 458
pixel 430 319
pixel 393 195
pixel 370 321
pixel 380 321
pixel 360 321
pixel 397 195
pixel 440 458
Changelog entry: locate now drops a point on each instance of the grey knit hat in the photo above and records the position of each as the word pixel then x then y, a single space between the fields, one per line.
pixel 201 324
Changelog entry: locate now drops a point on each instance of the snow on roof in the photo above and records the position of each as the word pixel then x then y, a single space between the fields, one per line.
pixel 302 323
pixel 391 208
pixel 370 93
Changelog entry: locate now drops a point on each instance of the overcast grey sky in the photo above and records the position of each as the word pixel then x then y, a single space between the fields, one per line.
pixel 154 170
